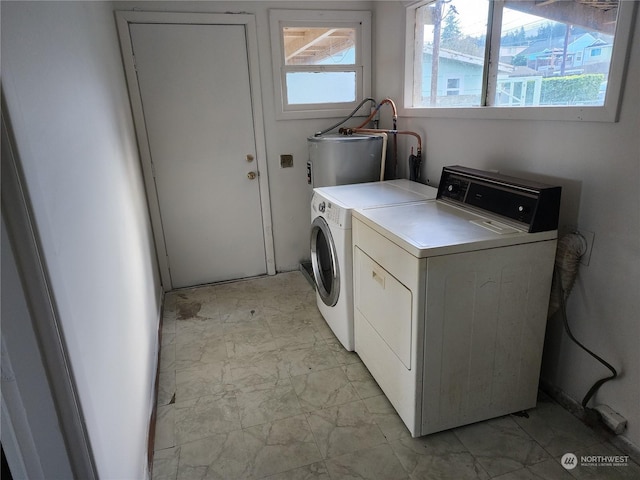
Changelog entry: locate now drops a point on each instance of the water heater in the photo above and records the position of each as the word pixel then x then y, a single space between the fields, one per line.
pixel 343 159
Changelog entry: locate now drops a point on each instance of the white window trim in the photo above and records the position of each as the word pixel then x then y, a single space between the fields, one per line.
pixel 609 112
pixel 360 20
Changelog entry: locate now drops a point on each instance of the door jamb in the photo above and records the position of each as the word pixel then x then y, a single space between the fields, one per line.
pixel 123 19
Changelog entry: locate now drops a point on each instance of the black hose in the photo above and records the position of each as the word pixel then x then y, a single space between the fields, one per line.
pixel 414 166
pixel 563 311
pixel 368 99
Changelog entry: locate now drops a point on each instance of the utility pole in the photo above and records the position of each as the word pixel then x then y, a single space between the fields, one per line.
pixel 564 50
pixel 435 56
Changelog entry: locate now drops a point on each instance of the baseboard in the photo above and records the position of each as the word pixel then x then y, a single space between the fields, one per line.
pixel 154 395
pixel 592 419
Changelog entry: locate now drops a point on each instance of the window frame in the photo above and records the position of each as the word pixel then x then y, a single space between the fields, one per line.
pixel 609 112
pixel 360 20
pixel 457 89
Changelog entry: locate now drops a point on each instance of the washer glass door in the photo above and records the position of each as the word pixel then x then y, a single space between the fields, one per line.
pixel 325 262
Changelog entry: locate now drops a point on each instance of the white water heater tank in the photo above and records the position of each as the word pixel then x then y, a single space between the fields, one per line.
pixel 343 159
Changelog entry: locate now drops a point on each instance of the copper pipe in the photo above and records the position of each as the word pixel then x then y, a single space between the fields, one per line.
pixel 393 106
pixel 373 114
pixel 350 131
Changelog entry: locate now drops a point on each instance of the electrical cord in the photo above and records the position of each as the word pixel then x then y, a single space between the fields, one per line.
pixel 368 99
pixel 563 311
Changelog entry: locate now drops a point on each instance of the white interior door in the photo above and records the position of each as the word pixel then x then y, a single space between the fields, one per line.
pixel 196 97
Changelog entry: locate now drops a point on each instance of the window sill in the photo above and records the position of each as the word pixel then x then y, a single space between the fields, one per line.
pixel 606 113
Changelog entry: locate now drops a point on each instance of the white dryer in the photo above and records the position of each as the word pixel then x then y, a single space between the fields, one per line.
pixel 331 247
pixel 451 297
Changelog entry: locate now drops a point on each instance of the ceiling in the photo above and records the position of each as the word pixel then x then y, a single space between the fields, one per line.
pixel 596 15
pixel 599 4
pixel 305 45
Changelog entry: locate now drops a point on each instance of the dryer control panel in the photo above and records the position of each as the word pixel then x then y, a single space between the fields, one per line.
pixel 529 205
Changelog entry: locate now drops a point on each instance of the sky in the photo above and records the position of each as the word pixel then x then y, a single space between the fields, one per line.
pixel 473 17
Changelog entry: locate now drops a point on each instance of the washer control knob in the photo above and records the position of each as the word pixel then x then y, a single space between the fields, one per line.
pixel 523 210
pixel 322 207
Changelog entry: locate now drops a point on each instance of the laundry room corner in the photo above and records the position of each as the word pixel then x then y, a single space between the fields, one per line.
pixel 597 162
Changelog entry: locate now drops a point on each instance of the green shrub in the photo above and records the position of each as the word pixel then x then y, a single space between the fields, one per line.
pixel 571 89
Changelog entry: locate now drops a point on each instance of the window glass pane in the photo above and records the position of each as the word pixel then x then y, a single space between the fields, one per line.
pixel 320 87
pixel 319 46
pixel 450 53
pixel 558 55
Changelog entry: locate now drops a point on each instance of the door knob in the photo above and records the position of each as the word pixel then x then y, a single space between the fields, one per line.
pixel 250 158
pixel 252 175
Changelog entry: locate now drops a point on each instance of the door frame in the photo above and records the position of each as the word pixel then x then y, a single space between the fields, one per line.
pixel 123 20
pixel 51 360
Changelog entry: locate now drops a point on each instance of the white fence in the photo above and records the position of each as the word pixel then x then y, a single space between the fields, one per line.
pixel 518 91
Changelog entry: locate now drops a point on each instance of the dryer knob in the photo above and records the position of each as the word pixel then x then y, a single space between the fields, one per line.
pixel 321 207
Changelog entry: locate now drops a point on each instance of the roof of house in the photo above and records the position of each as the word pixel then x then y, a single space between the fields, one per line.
pixel 522 71
pixel 586 40
pixel 466 58
pixel 556 43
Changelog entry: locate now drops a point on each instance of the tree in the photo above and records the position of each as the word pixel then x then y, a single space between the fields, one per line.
pixel 514 37
pixel 451 32
pixel 519 61
pixel 452 37
pixel 550 30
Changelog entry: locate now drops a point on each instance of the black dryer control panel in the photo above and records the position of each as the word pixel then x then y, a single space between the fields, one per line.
pixel 530 205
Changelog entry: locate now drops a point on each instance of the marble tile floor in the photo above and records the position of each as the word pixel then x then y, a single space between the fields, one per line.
pixel 253 384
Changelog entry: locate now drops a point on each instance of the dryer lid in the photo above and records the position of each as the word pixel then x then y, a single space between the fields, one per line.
pixel 433 228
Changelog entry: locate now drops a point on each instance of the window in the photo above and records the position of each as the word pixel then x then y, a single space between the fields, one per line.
pixel 553 57
pixel 453 86
pixel 321 61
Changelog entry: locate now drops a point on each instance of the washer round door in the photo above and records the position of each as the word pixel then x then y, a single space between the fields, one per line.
pixel 325 262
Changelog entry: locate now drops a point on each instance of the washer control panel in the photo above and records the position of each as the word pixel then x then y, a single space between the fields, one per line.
pixel 529 205
pixel 332 213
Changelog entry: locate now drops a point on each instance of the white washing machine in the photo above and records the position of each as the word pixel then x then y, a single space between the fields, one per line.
pixel 331 247
pixel 451 297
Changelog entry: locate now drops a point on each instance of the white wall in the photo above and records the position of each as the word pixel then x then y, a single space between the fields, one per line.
pixel 64 85
pixel 598 165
